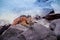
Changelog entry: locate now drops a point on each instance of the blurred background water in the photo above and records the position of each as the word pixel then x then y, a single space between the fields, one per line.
pixel 10 9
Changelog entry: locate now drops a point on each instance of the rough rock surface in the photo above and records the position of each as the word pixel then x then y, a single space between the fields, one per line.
pixel 12 33
pixel 4 24
pixel 55 25
pixel 39 32
pixel 34 32
pixel 44 22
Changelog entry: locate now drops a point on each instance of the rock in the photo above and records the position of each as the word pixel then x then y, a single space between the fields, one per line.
pixel 52 12
pixel 39 32
pixel 44 22
pixel 5 27
pixel 4 24
pixel 12 33
pixel 34 32
pixel 37 17
pixel 51 17
pixel 55 25
pixel 52 26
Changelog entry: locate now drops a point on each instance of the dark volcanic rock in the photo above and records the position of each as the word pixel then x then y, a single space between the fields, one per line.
pixel 51 17
pixel 5 27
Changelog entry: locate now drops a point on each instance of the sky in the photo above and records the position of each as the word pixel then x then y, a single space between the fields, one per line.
pixel 10 9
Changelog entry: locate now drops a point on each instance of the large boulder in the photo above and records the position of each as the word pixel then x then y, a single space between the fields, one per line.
pixel 55 27
pixel 34 32
pixel 12 33
pixel 39 32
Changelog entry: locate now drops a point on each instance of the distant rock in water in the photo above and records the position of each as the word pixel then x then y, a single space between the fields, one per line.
pixel 52 12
